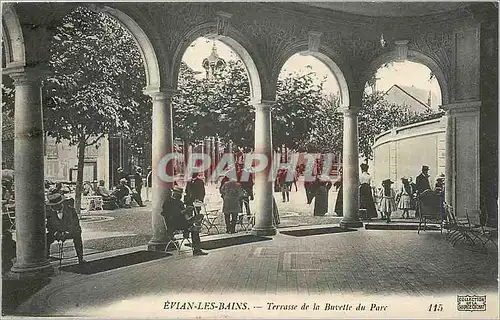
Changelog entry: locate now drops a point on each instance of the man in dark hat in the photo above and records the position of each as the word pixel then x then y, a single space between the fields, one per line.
pixel 178 217
pixel 63 224
pixel 422 181
pixel 421 184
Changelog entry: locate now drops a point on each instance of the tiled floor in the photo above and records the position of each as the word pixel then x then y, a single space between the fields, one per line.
pixel 363 262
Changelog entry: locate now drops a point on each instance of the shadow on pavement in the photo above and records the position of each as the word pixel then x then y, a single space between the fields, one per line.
pixel 15 292
pixel 315 231
pixel 115 262
pixel 232 241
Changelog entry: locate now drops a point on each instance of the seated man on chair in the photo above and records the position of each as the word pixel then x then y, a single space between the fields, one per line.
pixel 63 223
pixel 108 197
pixel 178 217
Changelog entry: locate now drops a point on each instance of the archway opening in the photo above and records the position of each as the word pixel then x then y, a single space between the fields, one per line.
pixel 213 115
pixel 400 126
pixel 307 137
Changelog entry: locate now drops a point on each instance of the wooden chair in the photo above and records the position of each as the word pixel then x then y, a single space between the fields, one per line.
pixel 456 229
pixel 430 210
pixel 245 219
pixel 177 240
pixel 479 232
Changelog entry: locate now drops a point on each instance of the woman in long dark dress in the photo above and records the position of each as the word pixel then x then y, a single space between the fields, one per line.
pixel 365 193
pixel 323 186
pixel 339 202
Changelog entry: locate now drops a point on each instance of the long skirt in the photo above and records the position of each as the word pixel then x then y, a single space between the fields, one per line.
pixel 321 202
pixel 339 203
pixel 366 200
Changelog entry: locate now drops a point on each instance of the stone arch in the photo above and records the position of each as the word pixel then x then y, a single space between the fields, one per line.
pixel 328 57
pixel 413 56
pixel 15 54
pixel 148 54
pixel 237 43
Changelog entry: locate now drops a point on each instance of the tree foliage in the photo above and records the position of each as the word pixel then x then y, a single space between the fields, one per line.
pixel 96 78
pixel 96 81
pixel 215 105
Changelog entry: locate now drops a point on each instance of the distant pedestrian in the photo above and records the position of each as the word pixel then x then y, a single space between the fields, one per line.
pixel 365 193
pixel 439 190
pixel 323 186
pixel 231 193
pixel 413 195
pixel 195 190
pixel 421 184
pixel 284 184
pixel 339 201
pixel 138 182
pixel 404 197
pixel 387 199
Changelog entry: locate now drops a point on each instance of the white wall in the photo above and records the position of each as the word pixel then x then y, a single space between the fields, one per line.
pixel 402 152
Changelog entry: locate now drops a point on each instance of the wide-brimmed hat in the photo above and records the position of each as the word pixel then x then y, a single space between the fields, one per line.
pixel 55 199
pixel 387 181
pixel 404 178
pixel 440 177
pixel 425 168
pixel 123 180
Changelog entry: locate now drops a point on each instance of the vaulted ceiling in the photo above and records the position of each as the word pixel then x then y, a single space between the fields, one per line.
pixel 391 9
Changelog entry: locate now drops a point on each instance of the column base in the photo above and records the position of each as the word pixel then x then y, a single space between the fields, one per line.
pixel 157 246
pixel 267 231
pixel 33 271
pixel 351 223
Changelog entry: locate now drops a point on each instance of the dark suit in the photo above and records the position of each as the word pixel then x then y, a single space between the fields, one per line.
pixel 172 212
pixel 66 228
pixel 422 183
pixel 195 190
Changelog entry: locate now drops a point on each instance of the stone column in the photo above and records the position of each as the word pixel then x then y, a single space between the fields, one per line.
pixel 263 186
pixel 162 145
pixel 462 169
pixel 449 172
pixel 31 260
pixel 350 170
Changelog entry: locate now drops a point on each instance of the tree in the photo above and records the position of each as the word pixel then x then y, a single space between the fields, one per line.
pixel 377 115
pixel 298 110
pixel 96 75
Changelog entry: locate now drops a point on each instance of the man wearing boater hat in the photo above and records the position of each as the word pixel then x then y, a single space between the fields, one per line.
pixel 63 223
pixel 178 217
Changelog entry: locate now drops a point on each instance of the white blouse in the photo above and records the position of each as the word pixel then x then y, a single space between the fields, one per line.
pixel 365 177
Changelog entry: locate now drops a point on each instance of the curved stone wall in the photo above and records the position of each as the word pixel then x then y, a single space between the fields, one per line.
pixel 402 151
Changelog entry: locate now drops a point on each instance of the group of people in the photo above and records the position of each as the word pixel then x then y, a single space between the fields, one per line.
pixel 123 194
pixel 386 200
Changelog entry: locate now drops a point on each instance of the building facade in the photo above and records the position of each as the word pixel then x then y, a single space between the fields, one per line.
pixel 457 42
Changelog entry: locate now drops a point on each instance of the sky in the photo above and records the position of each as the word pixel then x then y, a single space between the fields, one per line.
pixel 402 73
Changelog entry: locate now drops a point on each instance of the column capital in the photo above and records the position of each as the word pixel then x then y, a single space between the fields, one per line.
pixel 159 94
pixel 350 111
pixel 22 75
pixel 263 105
pixel 462 107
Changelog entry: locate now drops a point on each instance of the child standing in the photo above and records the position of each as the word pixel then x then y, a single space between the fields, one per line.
pixel 387 202
pixel 404 196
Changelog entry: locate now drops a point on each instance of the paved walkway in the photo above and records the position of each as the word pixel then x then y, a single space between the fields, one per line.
pixel 340 264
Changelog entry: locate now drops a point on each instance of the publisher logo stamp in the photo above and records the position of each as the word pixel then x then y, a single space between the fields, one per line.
pixel 471 303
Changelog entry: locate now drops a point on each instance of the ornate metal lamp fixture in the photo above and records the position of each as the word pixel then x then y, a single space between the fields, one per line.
pixel 213 62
